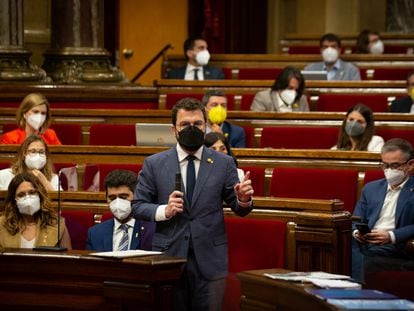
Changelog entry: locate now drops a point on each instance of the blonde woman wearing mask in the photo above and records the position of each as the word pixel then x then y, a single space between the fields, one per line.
pixel 29 220
pixel 33 156
pixel 33 118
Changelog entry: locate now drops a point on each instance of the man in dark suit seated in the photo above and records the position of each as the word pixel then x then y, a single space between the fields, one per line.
pixel 188 210
pixel 215 103
pixel 387 206
pixel 405 104
pixel 121 232
pixel 197 55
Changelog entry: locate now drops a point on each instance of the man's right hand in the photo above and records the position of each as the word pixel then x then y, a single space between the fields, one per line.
pixel 175 204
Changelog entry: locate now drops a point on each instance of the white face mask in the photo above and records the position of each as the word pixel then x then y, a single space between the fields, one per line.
pixel 29 204
pixel 330 55
pixel 202 57
pixel 288 96
pixel 36 120
pixel 121 208
pixel 37 161
pixel 394 177
pixel 377 47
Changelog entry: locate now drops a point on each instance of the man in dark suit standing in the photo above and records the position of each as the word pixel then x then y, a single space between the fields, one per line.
pixel 188 211
pixel 215 103
pixel 405 104
pixel 387 206
pixel 121 232
pixel 197 55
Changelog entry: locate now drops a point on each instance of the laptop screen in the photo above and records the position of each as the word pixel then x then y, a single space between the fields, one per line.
pixel 315 74
pixel 154 134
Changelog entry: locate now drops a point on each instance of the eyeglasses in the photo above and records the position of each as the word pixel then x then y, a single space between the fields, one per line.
pixel 392 166
pixel 23 194
pixel 183 125
pixel 33 152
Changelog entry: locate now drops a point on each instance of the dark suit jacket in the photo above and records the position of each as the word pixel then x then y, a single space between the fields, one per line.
pixel 402 104
pixel 202 222
pixel 372 199
pixel 235 135
pixel 210 73
pixel 100 236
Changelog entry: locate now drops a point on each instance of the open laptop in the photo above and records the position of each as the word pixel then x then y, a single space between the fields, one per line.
pixel 154 134
pixel 315 74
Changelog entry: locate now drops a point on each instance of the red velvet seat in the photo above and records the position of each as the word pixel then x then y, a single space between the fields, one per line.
pixel 304 49
pixel 246 101
pixel 105 169
pixel 387 133
pixel 112 134
pixel 249 136
pixel 313 183
pixel 372 175
pixel 68 133
pixel 258 73
pixel 257 176
pixel 385 73
pixel 78 223
pixel 342 102
pixel 105 105
pixel 299 137
pixel 173 98
pixel 252 244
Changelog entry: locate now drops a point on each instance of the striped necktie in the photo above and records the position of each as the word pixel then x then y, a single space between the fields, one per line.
pixel 123 244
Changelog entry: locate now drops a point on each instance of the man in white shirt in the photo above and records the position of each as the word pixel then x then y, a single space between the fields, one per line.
pixel 197 55
pixel 387 206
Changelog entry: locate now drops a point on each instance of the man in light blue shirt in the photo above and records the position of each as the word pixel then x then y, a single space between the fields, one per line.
pixel 337 69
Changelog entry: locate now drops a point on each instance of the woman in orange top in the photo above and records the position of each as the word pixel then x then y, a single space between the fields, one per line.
pixel 33 118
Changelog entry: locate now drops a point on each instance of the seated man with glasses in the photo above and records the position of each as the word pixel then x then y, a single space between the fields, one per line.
pixel 387 207
pixel 33 157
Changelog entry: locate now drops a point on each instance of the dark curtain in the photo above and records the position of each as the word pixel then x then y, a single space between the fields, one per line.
pixel 230 26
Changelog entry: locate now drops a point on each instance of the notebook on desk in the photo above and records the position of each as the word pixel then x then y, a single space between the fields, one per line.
pixel 154 134
pixel 315 74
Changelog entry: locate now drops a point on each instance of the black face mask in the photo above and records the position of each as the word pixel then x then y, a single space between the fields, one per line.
pixel 191 138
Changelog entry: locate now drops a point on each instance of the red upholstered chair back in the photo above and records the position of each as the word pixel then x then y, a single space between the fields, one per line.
pixel 9 127
pixel 78 223
pixel 122 104
pixel 249 136
pixel 259 73
pixel 304 49
pixel 106 216
pixel 313 183
pixel 173 98
pixel 372 175
pixel 255 243
pixel 246 101
pixel 63 178
pixel 104 169
pixel 68 133
pixel 342 102
pixel 257 176
pixel 4 165
pixel 385 73
pixel 299 137
pixel 388 133
pixel 112 135
pixel 227 73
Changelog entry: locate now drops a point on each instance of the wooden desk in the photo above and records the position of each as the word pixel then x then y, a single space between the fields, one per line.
pixel 75 281
pixel 261 293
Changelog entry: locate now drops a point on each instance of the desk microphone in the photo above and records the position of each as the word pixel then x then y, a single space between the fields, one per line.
pixel 178 181
pixel 57 247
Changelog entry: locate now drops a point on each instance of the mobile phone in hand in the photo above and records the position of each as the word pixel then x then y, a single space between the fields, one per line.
pixel 363 228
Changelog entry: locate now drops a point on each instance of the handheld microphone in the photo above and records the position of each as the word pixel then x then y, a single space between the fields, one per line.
pixel 57 247
pixel 178 181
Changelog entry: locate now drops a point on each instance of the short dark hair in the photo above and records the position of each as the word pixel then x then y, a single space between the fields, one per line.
pixel 282 80
pixel 409 75
pixel 119 178
pixel 188 104
pixel 330 37
pixel 211 138
pixel 190 43
pixel 210 93
pixel 395 144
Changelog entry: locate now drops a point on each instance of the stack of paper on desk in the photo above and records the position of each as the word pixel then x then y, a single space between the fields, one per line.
pixel 319 278
pixel 125 254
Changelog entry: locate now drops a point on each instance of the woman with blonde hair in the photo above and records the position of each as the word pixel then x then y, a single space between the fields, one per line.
pixel 29 220
pixel 33 118
pixel 33 156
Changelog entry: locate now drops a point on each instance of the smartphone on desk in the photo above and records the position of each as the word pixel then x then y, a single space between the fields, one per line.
pixel 363 228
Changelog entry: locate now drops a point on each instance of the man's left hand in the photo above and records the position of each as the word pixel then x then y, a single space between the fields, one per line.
pixel 244 189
